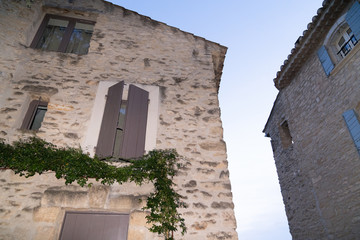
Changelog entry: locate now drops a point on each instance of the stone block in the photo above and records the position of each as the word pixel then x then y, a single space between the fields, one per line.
pixel 136 234
pixel 65 198
pixel 98 195
pixel 45 233
pixel 121 203
pixel 137 218
pixel 46 214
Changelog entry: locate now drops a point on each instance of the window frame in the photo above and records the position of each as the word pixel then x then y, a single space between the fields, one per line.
pixel 31 113
pixel 89 144
pixel 132 144
pixel 68 31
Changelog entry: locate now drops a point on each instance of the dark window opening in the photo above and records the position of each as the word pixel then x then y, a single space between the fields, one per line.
pixel 34 115
pixel 63 34
pixel 285 136
pixel 38 118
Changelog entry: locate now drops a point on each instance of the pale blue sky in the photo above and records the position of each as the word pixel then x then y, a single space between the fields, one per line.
pixel 259 36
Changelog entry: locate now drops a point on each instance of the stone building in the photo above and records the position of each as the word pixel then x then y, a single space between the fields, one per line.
pixel 61 63
pixel 314 126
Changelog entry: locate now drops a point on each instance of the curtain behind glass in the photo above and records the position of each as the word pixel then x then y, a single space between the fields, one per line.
pixel 53 34
pixel 80 39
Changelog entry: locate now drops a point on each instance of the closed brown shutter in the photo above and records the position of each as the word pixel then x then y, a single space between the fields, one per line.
pixel 30 113
pixel 106 139
pixel 135 123
pixel 94 226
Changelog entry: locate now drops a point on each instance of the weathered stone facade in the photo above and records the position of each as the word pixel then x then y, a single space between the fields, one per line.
pixel 125 46
pixel 317 161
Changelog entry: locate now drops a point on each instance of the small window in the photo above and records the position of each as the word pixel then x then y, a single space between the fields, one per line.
pixel 285 135
pixel 63 34
pixel 34 115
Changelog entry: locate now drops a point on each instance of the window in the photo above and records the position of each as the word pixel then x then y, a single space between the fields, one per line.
pixel 285 135
pixel 94 226
pixel 346 42
pixel 34 115
pixel 341 39
pixel 63 34
pixel 91 139
pixel 123 127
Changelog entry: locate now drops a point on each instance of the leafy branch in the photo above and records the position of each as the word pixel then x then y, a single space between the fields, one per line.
pixel 34 155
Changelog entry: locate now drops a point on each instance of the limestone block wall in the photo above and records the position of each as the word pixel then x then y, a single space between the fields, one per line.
pixel 319 172
pixel 126 47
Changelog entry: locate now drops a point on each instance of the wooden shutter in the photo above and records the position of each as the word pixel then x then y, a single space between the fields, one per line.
pixel 325 60
pixel 353 19
pixel 135 123
pixel 107 133
pixel 30 113
pixel 353 125
pixel 94 226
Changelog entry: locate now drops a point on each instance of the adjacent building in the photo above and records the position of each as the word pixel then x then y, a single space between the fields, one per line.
pixel 314 126
pixel 65 68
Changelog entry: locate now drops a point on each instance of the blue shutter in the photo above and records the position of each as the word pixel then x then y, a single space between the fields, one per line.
pixel 353 125
pixel 353 19
pixel 325 60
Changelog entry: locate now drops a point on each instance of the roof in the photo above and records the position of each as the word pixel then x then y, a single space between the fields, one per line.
pixel 321 23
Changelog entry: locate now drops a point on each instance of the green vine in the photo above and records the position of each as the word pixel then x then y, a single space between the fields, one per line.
pixel 31 156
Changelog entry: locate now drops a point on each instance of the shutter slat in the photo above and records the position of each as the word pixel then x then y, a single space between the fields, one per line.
pixel 107 133
pixel 353 125
pixel 353 19
pixel 325 60
pixel 135 123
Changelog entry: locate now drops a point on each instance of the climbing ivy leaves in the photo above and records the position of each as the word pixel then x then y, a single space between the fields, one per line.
pixel 34 155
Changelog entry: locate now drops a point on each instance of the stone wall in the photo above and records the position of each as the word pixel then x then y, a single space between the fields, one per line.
pixel 319 172
pixel 136 49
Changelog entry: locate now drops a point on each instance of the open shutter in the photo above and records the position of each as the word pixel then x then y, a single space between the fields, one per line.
pixel 353 125
pixel 30 113
pixel 135 123
pixel 325 60
pixel 353 19
pixel 107 133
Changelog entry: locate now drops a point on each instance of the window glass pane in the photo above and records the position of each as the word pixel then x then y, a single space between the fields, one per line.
pixel 354 40
pixel 80 38
pixel 38 118
pixel 349 31
pixel 120 130
pixel 53 34
pixel 346 49
pixel 341 41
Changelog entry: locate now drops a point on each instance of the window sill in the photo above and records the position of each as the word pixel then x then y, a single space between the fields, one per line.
pixel 341 64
